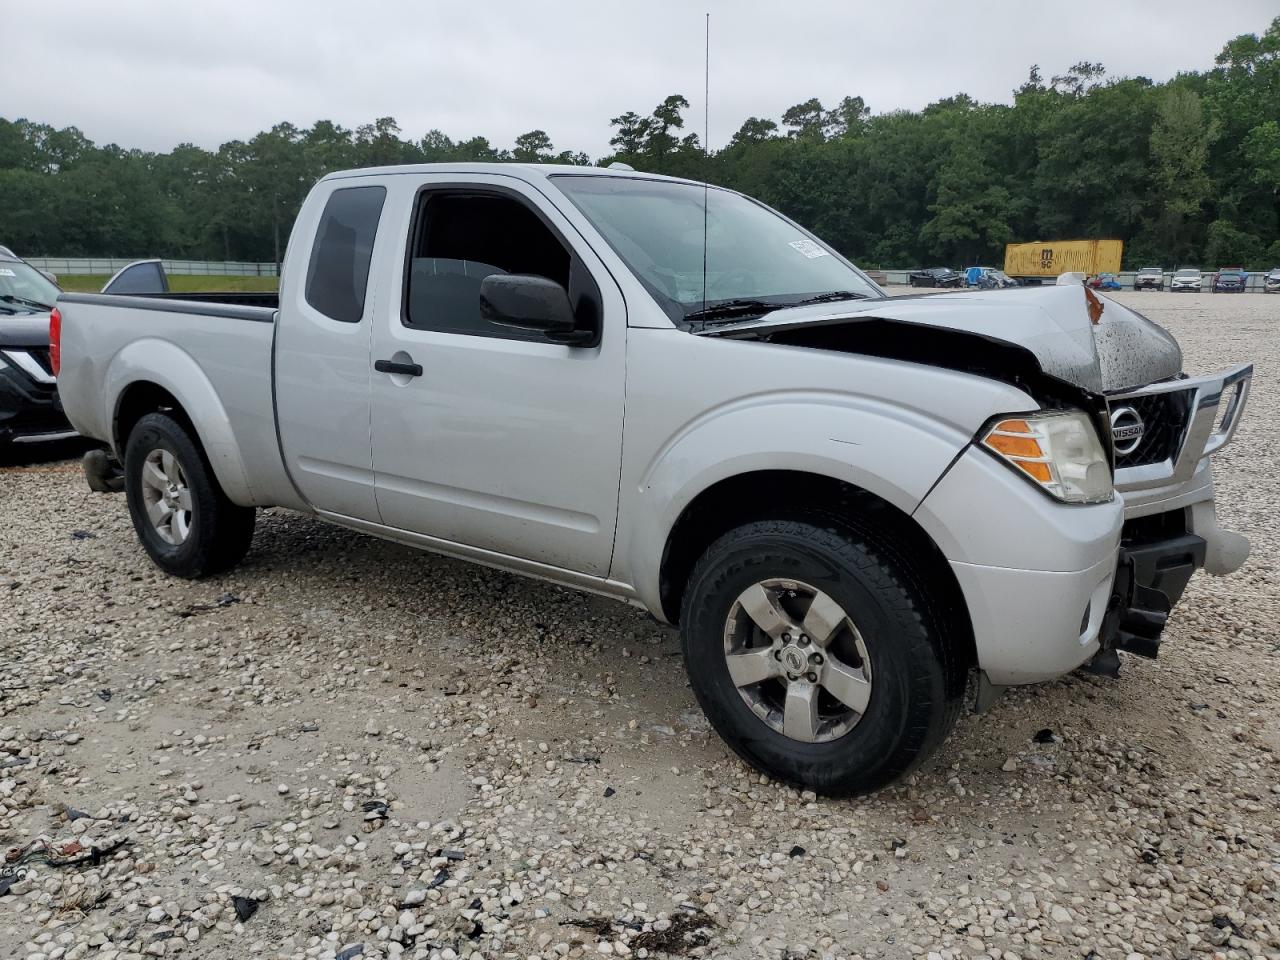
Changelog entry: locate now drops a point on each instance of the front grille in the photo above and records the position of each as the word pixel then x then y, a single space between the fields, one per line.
pixel 1164 420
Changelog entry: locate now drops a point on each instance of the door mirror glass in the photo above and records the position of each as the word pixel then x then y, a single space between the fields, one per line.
pixel 530 302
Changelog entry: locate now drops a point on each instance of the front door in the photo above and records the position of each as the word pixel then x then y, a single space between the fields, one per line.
pixel 489 436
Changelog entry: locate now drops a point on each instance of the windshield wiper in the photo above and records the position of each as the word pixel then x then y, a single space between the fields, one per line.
pixel 10 298
pixel 831 297
pixel 731 310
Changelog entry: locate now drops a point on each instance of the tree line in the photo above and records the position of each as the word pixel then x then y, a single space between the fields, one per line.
pixel 1185 172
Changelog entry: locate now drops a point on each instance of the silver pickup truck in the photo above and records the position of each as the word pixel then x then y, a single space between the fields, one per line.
pixel 850 504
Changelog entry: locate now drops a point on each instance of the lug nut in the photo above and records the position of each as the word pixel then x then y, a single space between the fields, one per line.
pixel 812 677
pixel 777 655
pixel 804 641
pixel 815 659
pixel 786 638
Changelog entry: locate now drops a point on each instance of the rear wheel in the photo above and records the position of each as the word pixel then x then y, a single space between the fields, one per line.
pixel 813 657
pixel 184 520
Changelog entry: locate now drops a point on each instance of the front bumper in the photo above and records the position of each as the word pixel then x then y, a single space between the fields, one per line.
pixel 1035 574
pixel 30 410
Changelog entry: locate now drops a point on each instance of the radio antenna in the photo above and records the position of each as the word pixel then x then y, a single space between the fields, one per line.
pixel 706 154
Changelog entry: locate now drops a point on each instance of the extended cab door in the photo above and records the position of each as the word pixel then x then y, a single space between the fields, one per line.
pixel 322 348
pixel 488 436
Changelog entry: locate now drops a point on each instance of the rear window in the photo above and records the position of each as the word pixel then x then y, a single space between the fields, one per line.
pixel 338 275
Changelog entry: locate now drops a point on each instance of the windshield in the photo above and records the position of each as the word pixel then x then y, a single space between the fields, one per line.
pixel 1188 273
pixel 24 289
pixel 1150 270
pixel 753 261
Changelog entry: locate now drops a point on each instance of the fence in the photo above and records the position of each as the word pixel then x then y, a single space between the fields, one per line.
pixel 105 266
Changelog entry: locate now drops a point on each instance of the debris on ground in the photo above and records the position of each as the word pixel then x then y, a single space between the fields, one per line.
pixel 224 600
pixel 245 907
pixel 685 933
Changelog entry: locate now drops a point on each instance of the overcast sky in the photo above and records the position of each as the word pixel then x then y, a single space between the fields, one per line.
pixel 154 74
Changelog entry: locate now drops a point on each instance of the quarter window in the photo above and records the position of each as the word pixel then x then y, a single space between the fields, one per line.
pixel 338 275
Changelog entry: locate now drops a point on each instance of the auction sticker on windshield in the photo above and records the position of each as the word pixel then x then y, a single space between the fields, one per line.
pixel 808 248
pixel 6 272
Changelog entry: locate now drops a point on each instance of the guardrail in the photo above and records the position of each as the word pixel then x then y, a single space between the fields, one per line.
pixel 105 266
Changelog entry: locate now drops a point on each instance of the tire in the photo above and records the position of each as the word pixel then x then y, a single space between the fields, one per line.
pixel 907 711
pixel 202 532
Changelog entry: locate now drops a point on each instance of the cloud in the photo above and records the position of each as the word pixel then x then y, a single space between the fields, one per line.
pixel 152 74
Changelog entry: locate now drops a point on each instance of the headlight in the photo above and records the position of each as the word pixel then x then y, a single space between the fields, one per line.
pixel 1059 452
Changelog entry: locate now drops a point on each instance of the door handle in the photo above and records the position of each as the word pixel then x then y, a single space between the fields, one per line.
pixel 391 366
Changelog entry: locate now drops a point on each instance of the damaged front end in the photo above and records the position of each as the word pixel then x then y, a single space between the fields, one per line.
pixel 1065 347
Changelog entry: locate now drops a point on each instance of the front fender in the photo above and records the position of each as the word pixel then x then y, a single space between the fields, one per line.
pixel 166 365
pixel 894 453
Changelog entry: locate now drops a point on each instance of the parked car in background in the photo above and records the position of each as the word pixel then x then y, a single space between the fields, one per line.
pixel 1186 280
pixel 29 407
pixel 849 503
pixel 934 277
pixel 996 280
pixel 973 275
pixel 1149 278
pixel 1271 283
pixel 1229 280
pixel 1105 281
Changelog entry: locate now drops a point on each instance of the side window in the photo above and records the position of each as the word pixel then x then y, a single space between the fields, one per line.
pixel 459 239
pixel 338 275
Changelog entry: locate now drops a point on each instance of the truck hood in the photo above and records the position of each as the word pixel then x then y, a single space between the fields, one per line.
pixel 1120 351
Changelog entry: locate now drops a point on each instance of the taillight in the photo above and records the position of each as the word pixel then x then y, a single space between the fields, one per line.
pixel 55 340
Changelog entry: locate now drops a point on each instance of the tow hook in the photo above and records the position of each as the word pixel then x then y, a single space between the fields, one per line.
pixel 103 472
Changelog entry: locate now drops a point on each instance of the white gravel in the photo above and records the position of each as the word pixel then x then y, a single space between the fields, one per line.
pixel 346 748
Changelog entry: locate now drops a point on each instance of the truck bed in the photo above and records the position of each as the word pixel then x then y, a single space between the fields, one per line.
pixel 215 350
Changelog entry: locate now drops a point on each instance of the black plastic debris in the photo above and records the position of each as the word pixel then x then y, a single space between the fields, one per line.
pixel 83 535
pixel 105 694
pixel 796 851
pixel 1223 922
pixel 347 953
pixel 5 884
pixel 1044 735
pixel 438 879
pixel 224 600
pixel 72 814
pixel 609 791
pixel 245 907
pixel 375 811
pixel 312 728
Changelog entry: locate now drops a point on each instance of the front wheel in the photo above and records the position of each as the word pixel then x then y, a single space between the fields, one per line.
pixel 812 655
pixel 185 522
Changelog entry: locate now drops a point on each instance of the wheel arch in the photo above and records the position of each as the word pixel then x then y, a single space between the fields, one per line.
pixel 151 376
pixel 742 498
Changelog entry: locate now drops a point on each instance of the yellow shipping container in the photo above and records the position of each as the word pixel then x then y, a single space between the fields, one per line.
pixel 1064 256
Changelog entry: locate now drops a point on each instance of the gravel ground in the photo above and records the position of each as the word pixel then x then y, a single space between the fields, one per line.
pixel 346 748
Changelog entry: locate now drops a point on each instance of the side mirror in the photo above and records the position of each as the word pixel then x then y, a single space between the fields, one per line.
pixel 528 302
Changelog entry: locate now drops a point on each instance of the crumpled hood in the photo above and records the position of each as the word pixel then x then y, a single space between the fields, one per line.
pixel 1123 350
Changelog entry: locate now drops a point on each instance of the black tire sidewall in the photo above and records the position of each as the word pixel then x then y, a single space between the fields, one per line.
pixel 908 697
pixel 191 557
